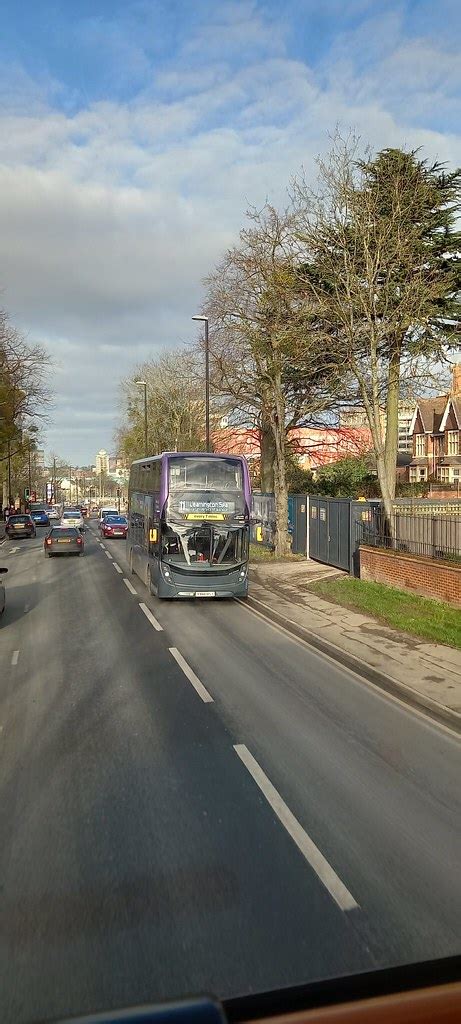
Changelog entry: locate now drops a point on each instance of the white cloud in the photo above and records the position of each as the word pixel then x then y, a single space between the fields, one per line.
pixel 112 215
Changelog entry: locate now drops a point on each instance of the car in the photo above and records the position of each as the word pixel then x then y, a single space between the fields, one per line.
pixel 84 511
pixel 40 517
pixel 2 590
pixel 20 526
pixel 54 514
pixel 114 526
pixel 73 517
pixel 107 512
pixel 63 540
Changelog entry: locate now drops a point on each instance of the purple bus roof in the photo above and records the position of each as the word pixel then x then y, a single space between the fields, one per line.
pixel 165 456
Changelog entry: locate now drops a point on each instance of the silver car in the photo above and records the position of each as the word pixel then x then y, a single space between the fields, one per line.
pixel 2 590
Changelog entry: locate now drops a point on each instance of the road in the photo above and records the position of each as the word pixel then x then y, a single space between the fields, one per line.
pixel 192 800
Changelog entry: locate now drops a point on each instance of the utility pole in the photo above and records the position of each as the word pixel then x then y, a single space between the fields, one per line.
pixel 9 474
pixel 143 384
pixel 204 320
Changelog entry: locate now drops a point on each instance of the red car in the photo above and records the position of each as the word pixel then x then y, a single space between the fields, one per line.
pixel 114 526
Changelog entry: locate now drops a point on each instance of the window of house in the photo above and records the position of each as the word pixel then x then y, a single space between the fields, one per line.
pixel 420 445
pixel 453 442
pixel 444 473
pixel 423 473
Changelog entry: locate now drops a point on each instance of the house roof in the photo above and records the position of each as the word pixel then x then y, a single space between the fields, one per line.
pixel 450 460
pixel 431 412
pixel 453 402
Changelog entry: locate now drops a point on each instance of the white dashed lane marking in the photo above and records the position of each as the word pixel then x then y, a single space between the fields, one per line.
pixel 153 621
pixel 305 844
pixel 130 586
pixel 191 676
pixel 117 567
pixel 14 657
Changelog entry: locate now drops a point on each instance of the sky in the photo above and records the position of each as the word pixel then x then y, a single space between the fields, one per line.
pixel 134 135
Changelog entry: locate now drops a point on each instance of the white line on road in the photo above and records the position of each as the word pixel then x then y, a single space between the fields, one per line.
pixel 130 586
pixel 189 672
pixel 14 657
pixel 108 554
pixel 153 621
pixel 103 546
pixel 310 851
pixel 117 567
pixel 13 551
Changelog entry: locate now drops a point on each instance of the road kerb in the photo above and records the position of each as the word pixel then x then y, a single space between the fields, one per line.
pixel 420 702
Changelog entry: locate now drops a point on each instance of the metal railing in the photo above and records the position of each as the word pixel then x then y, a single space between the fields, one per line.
pixel 433 536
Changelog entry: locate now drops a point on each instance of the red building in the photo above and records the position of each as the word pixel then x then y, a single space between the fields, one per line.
pixel 314 446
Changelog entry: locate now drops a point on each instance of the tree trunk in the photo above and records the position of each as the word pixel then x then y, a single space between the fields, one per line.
pixel 267 455
pixel 392 419
pixel 386 494
pixel 282 540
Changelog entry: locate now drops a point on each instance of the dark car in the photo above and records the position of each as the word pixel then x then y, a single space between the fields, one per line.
pixel 114 526
pixel 64 540
pixel 2 590
pixel 40 517
pixel 20 526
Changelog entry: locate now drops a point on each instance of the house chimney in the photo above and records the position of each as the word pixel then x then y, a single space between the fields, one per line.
pixel 456 385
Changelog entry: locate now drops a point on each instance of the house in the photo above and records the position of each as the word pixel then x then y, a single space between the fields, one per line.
pixel 436 434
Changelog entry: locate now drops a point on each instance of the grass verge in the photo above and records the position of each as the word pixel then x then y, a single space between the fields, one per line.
pixel 419 616
pixel 259 553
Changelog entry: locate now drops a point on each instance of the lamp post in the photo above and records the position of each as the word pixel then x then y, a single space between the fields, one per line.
pixel 204 320
pixel 143 384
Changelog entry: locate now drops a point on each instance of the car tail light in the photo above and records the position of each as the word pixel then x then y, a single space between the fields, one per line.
pixel 48 541
pixel 79 540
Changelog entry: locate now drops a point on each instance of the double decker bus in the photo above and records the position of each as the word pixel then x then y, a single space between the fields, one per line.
pixel 189 523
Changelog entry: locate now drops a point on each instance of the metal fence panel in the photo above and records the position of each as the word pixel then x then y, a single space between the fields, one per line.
pixel 431 536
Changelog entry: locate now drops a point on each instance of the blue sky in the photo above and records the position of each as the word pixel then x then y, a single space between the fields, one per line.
pixel 135 134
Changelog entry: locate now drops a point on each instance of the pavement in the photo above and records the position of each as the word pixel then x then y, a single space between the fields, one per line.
pixel 430 672
pixel 191 799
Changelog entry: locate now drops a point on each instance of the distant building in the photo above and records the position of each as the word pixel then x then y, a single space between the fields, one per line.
pixel 102 463
pixel 355 416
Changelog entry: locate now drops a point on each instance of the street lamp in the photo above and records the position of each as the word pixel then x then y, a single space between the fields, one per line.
pixel 204 320
pixel 143 384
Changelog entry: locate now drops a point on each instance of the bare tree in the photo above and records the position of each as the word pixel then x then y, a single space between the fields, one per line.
pixel 382 271
pixel 24 394
pixel 175 407
pixel 264 350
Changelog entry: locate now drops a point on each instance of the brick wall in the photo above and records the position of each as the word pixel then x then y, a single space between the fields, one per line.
pixel 425 576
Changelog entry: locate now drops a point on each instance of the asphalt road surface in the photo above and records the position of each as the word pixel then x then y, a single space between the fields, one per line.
pixel 190 800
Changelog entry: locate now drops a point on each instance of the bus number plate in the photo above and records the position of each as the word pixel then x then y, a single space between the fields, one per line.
pixel 205 593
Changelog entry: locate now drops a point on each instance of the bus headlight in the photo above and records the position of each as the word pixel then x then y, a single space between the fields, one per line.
pixel 166 574
pixel 242 574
